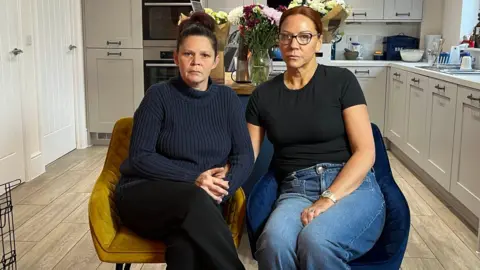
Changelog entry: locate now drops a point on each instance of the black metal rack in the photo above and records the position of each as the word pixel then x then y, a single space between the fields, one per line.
pixel 7 229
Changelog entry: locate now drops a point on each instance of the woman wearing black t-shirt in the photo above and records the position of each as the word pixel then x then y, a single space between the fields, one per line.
pixel 330 209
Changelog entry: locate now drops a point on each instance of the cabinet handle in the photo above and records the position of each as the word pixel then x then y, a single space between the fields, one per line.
pixel 415 80
pixel 440 88
pixel 396 74
pixel 114 53
pixel 114 42
pixel 473 98
pixel 362 71
pixel 402 14
pixel 359 14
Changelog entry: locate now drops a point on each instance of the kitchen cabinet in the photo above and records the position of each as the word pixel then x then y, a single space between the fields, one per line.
pixel 114 86
pixel 113 23
pixel 397 95
pixel 363 10
pixel 373 81
pixel 403 10
pixel 415 116
pixel 441 106
pixel 465 185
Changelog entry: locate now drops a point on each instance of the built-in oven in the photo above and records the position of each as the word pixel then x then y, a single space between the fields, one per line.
pixel 160 20
pixel 159 65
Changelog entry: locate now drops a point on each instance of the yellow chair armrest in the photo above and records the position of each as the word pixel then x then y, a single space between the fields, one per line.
pixel 235 215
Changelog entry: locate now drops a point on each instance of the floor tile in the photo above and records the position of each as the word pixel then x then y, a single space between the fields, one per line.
pixel 450 251
pixel 48 252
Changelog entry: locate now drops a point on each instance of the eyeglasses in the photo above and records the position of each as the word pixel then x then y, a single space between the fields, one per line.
pixel 302 38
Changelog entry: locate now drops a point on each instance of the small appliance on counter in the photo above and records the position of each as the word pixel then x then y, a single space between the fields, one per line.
pixel 392 46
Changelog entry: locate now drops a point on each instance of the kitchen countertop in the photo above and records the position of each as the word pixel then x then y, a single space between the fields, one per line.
pixel 471 81
pixel 239 88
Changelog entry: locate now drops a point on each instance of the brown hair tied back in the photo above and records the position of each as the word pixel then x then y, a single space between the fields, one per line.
pixel 199 24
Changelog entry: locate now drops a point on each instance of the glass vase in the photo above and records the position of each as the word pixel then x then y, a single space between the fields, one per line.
pixel 259 66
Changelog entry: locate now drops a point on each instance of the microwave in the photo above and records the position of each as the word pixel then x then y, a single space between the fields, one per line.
pixel 160 20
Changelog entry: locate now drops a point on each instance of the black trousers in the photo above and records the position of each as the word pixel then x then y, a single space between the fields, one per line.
pixel 185 217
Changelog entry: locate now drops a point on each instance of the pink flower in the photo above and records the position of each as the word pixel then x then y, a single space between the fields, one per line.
pixel 272 14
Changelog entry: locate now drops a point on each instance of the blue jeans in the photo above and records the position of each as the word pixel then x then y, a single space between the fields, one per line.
pixel 346 231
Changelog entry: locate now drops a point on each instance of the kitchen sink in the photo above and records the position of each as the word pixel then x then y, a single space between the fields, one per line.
pixel 452 70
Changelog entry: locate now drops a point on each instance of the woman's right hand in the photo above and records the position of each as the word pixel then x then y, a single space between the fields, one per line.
pixel 215 187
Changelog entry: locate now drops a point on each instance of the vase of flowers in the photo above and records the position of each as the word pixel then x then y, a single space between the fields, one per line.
pixel 258 26
pixel 333 12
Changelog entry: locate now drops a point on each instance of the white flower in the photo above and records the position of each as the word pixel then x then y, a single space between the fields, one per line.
pixel 293 4
pixel 235 15
pixel 331 4
pixel 319 7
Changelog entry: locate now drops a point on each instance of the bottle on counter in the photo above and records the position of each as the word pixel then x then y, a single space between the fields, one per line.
pixel 476 33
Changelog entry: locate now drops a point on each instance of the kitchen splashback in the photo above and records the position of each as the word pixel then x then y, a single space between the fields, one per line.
pixel 370 36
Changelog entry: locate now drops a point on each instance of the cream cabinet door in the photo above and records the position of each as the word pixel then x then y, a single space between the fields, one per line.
pixel 113 23
pixel 399 10
pixel 441 103
pixel 373 83
pixel 397 95
pixel 465 185
pixel 114 86
pixel 416 117
pixel 366 10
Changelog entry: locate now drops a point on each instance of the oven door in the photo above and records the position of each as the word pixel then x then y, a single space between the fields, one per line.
pixel 156 71
pixel 160 21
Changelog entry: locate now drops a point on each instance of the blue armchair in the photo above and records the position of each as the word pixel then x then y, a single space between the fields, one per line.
pixel 388 251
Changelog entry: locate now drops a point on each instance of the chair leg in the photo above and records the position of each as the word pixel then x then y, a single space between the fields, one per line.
pixel 121 266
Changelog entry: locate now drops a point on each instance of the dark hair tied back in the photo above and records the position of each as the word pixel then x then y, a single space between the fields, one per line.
pixel 198 24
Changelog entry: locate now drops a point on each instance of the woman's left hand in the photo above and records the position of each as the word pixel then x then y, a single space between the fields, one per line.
pixel 315 209
pixel 224 173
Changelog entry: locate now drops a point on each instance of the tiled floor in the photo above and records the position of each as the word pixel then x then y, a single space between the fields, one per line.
pixel 52 225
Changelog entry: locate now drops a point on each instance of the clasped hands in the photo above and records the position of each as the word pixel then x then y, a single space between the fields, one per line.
pixel 212 181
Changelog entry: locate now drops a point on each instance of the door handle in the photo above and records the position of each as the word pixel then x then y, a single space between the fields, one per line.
pixel 359 14
pixel 362 71
pixel 471 97
pixel 16 51
pixel 114 53
pixel 114 42
pixel 72 47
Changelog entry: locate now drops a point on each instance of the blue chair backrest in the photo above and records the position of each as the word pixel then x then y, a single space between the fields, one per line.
pixel 391 245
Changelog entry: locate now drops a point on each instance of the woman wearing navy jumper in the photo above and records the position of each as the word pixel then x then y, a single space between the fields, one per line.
pixel 330 209
pixel 186 133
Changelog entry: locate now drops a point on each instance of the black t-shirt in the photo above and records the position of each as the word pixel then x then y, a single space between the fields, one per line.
pixel 306 126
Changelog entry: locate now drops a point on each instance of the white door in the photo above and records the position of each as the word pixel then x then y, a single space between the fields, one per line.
pixel 55 65
pixel 12 161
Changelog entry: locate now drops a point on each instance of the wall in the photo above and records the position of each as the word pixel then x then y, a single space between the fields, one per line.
pixel 371 35
pixel 30 112
pixel 432 22
pixel 459 18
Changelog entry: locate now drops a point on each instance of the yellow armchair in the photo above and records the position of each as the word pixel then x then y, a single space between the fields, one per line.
pixel 115 243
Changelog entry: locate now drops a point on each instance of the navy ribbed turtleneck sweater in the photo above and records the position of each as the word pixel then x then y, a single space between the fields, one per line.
pixel 180 132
